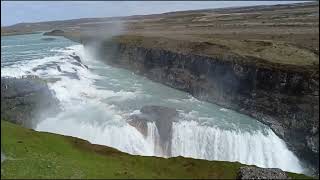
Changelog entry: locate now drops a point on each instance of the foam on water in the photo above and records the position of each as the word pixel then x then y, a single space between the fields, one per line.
pixel 193 140
pixel 121 136
pixel 95 112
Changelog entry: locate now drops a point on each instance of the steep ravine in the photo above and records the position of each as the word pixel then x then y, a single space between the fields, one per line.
pixel 283 96
pixel 286 99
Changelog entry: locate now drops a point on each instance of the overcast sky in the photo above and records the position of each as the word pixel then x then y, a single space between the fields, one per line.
pixel 13 12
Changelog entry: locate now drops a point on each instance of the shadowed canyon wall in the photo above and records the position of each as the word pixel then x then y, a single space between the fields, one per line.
pixel 287 100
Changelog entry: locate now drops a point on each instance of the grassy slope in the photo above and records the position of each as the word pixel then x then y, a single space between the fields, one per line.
pixel 263 53
pixel 32 154
pixel 14 32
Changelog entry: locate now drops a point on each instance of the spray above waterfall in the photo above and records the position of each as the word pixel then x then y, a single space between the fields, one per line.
pixel 97 34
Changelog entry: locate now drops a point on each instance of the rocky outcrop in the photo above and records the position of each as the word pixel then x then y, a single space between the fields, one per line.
pixel 285 98
pixel 248 172
pixel 26 101
pixel 78 59
pixel 55 32
pixel 73 36
pixel 163 117
pixel 48 39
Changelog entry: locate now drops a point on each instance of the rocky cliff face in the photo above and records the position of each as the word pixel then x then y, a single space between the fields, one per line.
pixel 261 173
pixel 285 99
pixel 163 117
pixel 26 101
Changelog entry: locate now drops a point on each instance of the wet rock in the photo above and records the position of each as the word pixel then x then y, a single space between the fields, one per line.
pixel 55 32
pixel 59 69
pixel 76 64
pixel 163 117
pixel 26 100
pixel 140 124
pixel 48 39
pixel 77 58
pixel 79 62
pixel 261 173
pixel 313 143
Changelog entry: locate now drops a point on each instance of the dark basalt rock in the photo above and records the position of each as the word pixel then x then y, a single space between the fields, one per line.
pixel 261 173
pixel 163 118
pixel 59 69
pixel 26 101
pixel 77 58
pixel 55 32
pixel 48 39
pixel 79 62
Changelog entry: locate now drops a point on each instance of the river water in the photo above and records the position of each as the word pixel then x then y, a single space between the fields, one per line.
pixel 96 101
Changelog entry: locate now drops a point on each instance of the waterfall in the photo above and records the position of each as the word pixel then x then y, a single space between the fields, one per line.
pixel 97 100
pixel 189 139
